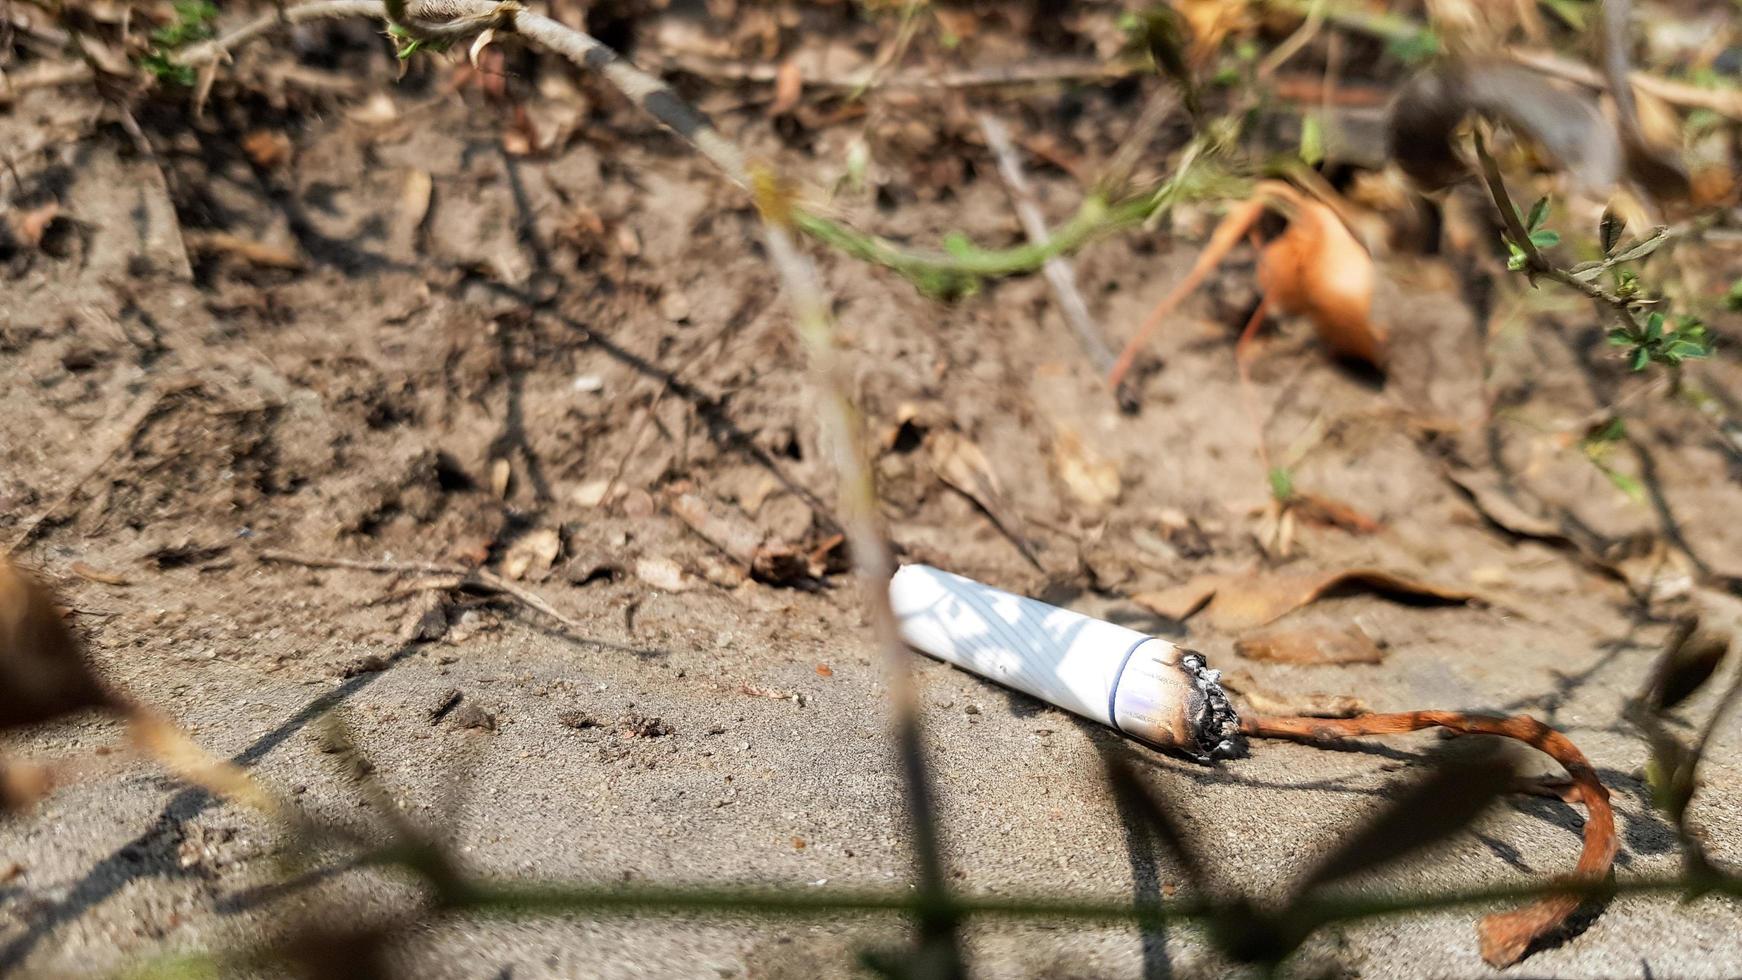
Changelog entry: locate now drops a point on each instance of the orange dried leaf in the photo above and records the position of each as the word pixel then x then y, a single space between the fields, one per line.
pixel 1319 270
pixel 268 148
pixel 1181 601
pixel 788 86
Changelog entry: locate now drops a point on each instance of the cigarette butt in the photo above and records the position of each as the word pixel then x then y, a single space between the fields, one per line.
pixel 1140 685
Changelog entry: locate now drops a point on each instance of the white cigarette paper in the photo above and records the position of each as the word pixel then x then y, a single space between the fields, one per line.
pixel 1138 684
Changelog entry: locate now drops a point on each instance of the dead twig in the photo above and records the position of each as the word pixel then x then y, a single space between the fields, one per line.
pixel 477 577
pixel 1042 72
pixel 1059 272
pixel 1506 936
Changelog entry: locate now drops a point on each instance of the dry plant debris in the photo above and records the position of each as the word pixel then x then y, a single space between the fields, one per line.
pixel 1232 603
pixel 1311 645
pixel 268 183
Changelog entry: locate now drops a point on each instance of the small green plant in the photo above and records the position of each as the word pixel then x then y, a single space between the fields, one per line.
pixel 1648 335
pixel 405 44
pixel 192 24
pixel 1517 259
pixel 1599 444
pixel 1281 484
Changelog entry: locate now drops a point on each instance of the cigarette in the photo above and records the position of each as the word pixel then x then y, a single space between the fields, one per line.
pixel 1137 684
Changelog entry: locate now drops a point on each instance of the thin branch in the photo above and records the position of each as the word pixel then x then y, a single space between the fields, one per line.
pixel 1046 71
pixel 1060 274
pixel 479 577
pixel 1535 262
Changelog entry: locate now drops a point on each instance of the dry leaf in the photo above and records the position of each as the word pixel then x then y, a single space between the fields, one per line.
pixel 1311 645
pixel 1236 603
pixel 532 554
pixel 788 87
pixel 1091 480
pixel 591 493
pixel 43 673
pixel 1317 269
pixel 255 253
pixel 1180 601
pixel 268 148
pixel 378 110
pixel 414 198
pixel 1334 513
pixel 499 474
pixel 30 225
pixel 774 562
pixel 22 784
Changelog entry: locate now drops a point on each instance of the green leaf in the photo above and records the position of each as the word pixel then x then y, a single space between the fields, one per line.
pixel 1641 358
pixel 1312 141
pixel 1281 484
pixel 1414 48
pixel 1626 282
pixel 1545 238
pixel 958 245
pixel 1538 214
pixel 1516 260
pixel 1612 431
pixel 1654 327
pixel 1631 488
pixel 1620 338
pixel 1733 298
pixel 1634 253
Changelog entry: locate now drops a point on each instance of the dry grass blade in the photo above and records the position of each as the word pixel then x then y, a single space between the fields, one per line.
pixel 471 576
pixel 1505 936
pixel 162 740
pixel 1451 796
pixel 938 953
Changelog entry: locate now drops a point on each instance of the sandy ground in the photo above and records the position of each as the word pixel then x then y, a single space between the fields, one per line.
pixel 358 406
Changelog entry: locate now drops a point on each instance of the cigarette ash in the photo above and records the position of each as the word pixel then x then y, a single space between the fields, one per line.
pixel 1214 723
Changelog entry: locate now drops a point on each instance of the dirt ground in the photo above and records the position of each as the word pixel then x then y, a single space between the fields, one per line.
pixel 476 347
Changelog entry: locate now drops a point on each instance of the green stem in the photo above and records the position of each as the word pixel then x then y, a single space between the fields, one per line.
pixel 958 272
